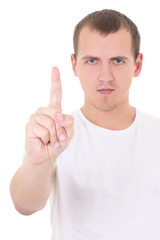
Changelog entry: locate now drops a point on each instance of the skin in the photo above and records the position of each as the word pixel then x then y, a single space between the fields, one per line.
pixel 105 67
pixel 48 134
pixel 106 62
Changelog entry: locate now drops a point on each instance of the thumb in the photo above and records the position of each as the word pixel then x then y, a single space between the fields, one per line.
pixel 65 121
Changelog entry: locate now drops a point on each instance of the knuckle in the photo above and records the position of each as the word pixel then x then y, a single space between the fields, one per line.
pixel 45 136
pixel 50 123
pixel 44 132
pixel 51 111
pixel 32 118
pixel 48 111
pixel 39 110
pixel 58 91
pixel 54 139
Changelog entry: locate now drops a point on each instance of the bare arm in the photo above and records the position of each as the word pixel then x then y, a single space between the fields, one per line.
pixel 48 134
pixel 30 186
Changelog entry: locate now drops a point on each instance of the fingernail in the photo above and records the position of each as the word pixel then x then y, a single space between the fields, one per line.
pixel 60 117
pixel 62 137
pixel 57 145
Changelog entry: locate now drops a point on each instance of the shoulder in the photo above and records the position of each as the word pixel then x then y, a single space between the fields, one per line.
pixel 149 118
pixel 149 122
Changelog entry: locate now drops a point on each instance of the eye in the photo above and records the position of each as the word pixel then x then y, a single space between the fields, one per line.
pixel 118 61
pixel 92 61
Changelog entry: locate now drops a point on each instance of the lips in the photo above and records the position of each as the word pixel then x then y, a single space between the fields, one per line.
pixel 105 91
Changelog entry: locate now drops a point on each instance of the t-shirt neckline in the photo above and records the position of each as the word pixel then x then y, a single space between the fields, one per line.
pixel 127 130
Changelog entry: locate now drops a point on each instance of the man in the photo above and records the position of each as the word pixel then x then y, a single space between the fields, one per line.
pixel 101 165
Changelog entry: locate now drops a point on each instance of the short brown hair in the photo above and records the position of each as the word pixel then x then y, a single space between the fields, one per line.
pixel 108 21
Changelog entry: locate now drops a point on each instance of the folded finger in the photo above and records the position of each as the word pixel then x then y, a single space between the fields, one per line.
pixel 34 130
pixel 49 124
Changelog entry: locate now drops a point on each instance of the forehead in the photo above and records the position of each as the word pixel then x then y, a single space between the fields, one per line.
pixel 93 42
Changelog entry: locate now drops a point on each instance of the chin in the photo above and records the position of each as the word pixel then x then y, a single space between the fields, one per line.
pixel 106 108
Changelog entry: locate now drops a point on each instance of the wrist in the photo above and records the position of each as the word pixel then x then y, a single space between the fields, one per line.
pixel 40 169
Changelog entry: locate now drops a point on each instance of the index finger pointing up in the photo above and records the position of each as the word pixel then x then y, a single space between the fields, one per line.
pixel 56 90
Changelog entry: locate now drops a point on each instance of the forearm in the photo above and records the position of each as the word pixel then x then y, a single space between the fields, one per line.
pixel 30 186
pixel 48 134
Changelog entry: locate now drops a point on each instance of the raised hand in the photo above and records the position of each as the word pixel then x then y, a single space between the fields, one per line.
pixel 48 131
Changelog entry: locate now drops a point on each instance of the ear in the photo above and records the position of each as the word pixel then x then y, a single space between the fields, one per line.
pixel 138 65
pixel 73 61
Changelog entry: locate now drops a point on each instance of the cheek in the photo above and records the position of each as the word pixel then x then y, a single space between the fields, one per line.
pixel 87 79
pixel 85 83
pixel 124 78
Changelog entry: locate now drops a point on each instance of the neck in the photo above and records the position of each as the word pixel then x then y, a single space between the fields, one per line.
pixel 119 118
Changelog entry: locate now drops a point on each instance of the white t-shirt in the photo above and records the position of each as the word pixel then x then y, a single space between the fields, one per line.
pixel 107 183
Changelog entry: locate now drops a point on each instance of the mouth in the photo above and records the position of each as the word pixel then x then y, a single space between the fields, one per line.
pixel 105 91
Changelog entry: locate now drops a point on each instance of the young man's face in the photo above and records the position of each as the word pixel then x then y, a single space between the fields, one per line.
pixel 105 66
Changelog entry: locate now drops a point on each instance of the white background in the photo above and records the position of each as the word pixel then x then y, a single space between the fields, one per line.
pixel 34 36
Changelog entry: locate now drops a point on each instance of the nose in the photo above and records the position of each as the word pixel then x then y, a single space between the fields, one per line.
pixel 105 73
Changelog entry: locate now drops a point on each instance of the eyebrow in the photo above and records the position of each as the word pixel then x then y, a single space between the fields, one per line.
pixel 113 58
pixel 120 57
pixel 89 57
